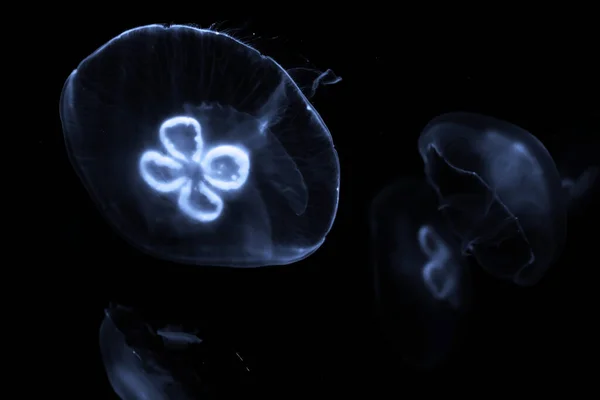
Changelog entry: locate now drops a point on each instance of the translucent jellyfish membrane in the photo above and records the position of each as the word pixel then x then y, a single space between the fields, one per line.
pixel 421 284
pixel 500 191
pixel 200 150
pixel 167 363
pixel 130 355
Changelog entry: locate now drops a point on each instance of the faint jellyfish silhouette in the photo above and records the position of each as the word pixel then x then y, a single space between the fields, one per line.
pixel 578 187
pixel 422 286
pixel 198 149
pixel 579 169
pixel 500 191
pixel 168 363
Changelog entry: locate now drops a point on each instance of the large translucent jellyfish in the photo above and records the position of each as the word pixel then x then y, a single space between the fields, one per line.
pixel 168 363
pixel 501 192
pixel 421 284
pixel 199 149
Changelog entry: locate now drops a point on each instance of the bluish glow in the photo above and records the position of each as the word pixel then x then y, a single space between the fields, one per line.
pixel 178 335
pixel 146 363
pixel 579 167
pixel 133 373
pixel 422 286
pixel 177 124
pixel 197 168
pixel 577 188
pixel 219 175
pixel 158 183
pixel 186 204
pixel 500 191
pixel 198 149
pixel 440 272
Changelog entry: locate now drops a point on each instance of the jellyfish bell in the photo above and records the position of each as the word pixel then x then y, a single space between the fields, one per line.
pixel 133 372
pixel 422 286
pixel 166 363
pixel 501 192
pixel 198 149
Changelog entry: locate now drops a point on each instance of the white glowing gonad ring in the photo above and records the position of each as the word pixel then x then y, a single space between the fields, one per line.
pixel 180 161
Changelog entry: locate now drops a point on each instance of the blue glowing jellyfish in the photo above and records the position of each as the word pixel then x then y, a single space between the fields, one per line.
pixel 500 191
pixel 198 149
pixel 168 363
pixel 421 283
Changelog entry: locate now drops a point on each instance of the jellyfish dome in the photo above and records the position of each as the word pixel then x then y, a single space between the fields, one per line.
pixel 501 192
pixel 198 149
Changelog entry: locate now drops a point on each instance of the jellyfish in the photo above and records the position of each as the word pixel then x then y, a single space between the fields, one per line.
pixel 499 190
pixel 166 363
pixel 421 283
pixel 579 169
pixel 200 150
pixel 132 370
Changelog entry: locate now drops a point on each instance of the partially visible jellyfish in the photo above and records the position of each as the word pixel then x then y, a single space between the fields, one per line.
pixel 168 363
pixel 127 355
pixel 579 168
pixel 577 187
pixel 500 191
pixel 421 284
pixel 198 149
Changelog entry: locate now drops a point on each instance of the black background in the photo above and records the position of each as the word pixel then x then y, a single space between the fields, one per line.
pixel 308 330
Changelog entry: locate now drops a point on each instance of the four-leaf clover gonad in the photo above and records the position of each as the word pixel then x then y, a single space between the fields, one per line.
pixel 187 168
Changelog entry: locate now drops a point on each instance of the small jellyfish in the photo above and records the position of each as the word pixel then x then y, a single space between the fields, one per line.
pixel 167 363
pixel 500 190
pixel 422 286
pixel 198 149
